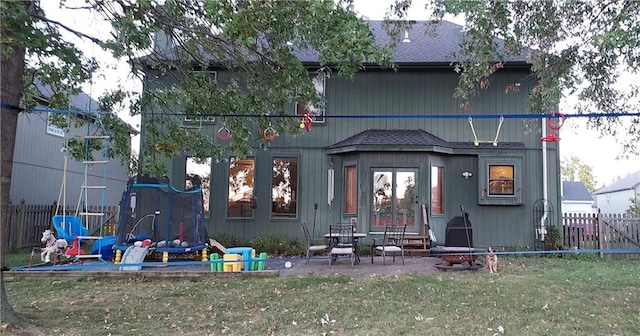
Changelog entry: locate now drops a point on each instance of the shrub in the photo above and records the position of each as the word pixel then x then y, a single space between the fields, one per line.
pixel 553 240
pixel 228 240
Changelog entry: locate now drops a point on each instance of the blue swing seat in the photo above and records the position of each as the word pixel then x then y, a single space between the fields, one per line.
pixel 70 229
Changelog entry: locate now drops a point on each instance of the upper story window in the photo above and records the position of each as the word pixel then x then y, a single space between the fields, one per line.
pixel 500 180
pixel 317 113
pixel 350 190
pixel 201 168
pixel 199 119
pixel 241 202
pixel 284 187
pixel 194 120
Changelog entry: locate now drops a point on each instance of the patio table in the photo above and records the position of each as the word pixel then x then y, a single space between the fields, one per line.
pixel 356 237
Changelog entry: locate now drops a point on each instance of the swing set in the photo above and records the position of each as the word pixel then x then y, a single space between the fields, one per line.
pixel 72 227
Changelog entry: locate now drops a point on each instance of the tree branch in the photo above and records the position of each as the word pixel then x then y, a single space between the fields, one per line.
pixel 69 29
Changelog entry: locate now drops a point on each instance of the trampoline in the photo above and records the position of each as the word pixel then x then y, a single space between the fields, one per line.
pixel 172 219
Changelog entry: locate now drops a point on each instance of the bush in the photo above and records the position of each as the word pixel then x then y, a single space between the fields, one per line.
pixel 553 240
pixel 277 244
pixel 273 244
pixel 228 240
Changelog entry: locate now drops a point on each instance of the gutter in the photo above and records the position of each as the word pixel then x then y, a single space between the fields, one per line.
pixel 542 230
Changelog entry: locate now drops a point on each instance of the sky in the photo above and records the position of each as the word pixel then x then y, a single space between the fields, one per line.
pixel 577 140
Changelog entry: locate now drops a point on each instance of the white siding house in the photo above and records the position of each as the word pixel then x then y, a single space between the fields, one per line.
pixel 616 197
pixel 576 198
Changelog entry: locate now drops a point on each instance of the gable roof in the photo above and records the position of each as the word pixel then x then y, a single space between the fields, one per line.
pixel 575 191
pixel 629 182
pixel 407 140
pixel 80 102
pixel 428 42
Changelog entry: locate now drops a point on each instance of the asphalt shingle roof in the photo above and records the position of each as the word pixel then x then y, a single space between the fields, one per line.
pixel 628 182
pixel 575 191
pixel 412 138
pixel 429 44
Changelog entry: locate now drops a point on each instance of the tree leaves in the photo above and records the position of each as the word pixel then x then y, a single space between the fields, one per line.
pixel 575 47
pixel 176 44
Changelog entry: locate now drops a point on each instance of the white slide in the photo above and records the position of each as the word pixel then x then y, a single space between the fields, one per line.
pixel 134 255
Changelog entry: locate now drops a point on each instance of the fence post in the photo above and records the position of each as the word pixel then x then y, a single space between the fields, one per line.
pixel 22 214
pixel 52 213
pixel 600 224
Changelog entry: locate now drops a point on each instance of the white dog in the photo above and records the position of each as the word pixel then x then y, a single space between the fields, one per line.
pixel 55 246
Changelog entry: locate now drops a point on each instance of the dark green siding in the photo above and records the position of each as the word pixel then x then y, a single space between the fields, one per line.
pixel 387 94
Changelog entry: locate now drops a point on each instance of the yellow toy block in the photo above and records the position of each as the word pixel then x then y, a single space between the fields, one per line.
pixel 229 264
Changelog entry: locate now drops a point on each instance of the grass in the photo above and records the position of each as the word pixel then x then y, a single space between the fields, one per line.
pixel 20 258
pixel 530 296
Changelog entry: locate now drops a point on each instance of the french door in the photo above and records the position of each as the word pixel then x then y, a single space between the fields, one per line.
pixel 395 198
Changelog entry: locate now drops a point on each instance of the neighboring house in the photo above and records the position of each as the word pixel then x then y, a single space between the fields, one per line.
pixel 616 197
pixel 380 170
pixel 38 161
pixel 576 198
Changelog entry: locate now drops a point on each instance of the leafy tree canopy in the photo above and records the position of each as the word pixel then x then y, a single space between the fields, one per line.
pixel 573 169
pixel 585 48
pixel 180 41
pixel 634 207
pixel 258 40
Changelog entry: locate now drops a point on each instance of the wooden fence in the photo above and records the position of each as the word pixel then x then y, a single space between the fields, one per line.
pixel 600 231
pixel 28 221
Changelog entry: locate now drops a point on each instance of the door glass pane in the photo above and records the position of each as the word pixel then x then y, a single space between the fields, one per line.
pixel 382 194
pixel 405 198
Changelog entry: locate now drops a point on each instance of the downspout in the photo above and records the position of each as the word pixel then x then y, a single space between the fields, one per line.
pixel 542 231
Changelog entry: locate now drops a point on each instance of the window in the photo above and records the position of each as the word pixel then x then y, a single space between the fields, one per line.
pixel 437 190
pixel 52 129
pixel 350 190
pixel 394 197
pixel 199 119
pixel 284 187
pixel 317 113
pixel 204 76
pixel 500 181
pixel 241 202
pixel 202 169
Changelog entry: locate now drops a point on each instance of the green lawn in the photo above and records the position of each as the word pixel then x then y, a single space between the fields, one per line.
pixel 530 296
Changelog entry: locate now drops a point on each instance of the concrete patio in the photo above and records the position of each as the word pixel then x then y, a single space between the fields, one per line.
pixel 274 267
pixel 320 266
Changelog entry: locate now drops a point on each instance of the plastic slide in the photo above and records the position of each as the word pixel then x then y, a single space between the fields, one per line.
pixel 134 255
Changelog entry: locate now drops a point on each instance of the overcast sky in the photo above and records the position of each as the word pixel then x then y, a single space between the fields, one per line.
pixel 599 153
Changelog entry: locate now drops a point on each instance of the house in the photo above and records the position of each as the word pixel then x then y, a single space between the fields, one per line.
pixel 415 147
pixel 617 197
pixel 576 198
pixel 39 161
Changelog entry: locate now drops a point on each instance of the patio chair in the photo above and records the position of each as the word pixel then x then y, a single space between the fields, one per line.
pixel 392 243
pixel 312 247
pixel 342 243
